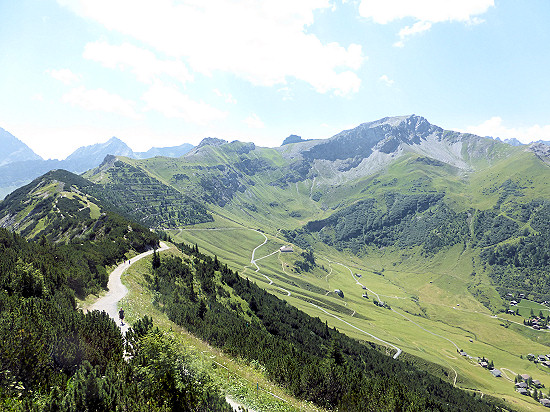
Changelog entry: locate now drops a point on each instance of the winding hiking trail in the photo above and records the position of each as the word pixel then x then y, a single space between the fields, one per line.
pixel 116 290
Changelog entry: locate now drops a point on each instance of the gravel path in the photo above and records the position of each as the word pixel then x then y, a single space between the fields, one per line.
pixel 116 290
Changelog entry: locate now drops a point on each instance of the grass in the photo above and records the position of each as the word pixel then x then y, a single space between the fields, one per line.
pixel 433 296
pixel 525 306
pixel 237 378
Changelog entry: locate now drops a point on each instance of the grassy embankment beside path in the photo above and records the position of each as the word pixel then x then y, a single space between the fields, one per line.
pixel 238 379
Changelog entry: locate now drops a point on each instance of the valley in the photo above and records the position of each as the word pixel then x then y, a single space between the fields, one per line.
pixel 409 238
pixel 432 315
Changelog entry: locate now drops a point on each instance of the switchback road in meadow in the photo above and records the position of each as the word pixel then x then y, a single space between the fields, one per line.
pixel 253 261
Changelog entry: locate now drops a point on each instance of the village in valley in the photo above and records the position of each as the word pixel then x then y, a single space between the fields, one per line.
pixel 524 383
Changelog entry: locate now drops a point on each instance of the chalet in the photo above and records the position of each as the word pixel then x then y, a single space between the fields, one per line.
pixel 525 377
pixel 364 287
pixel 496 373
pixel 510 312
pixel 483 364
pixel 358 275
pixel 365 295
pixel 513 303
pixel 541 358
pixel 521 295
pixel 522 391
pixel 545 402
pixel 530 356
pixel 521 385
pixel 537 383
pixel 546 363
pixel 462 353
pixel 286 249
pixel 339 292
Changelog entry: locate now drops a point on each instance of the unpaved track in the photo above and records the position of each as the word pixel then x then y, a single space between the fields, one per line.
pixel 116 290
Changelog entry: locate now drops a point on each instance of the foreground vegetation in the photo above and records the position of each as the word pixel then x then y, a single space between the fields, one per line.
pixel 54 357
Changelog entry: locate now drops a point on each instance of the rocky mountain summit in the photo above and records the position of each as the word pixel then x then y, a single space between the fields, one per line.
pixel 14 150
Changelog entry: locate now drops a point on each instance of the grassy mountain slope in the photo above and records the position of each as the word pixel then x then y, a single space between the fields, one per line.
pixel 440 226
pixel 59 205
pixel 298 351
pixel 144 197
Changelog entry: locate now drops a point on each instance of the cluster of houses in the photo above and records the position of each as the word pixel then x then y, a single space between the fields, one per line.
pixel 511 296
pixel 527 386
pixel 542 359
pixel 536 322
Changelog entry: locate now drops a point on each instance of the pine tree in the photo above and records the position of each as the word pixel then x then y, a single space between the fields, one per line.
pixel 156 260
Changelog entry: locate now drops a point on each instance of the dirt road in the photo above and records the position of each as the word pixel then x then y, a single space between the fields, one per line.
pixel 116 290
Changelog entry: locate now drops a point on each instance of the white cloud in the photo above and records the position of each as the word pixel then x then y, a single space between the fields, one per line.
pixel 264 42
pixel 65 76
pixel 408 31
pixel 100 100
pixel 386 80
pixel 286 93
pixel 143 63
pixel 170 102
pixel 434 11
pixel 254 122
pixel 425 12
pixel 494 128
pixel 37 97
pixel 228 98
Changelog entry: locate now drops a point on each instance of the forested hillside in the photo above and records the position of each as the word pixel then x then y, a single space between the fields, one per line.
pixel 299 352
pixel 55 358
pixel 514 243
pixel 144 198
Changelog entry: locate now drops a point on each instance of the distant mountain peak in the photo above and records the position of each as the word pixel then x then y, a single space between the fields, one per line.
pixel 293 139
pixel 87 157
pixel 14 150
pixel 211 141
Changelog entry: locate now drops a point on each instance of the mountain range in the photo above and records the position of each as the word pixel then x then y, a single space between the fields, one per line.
pixel 445 228
pixel 19 164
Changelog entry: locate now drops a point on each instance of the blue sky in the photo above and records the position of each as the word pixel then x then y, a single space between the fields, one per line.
pixel 167 72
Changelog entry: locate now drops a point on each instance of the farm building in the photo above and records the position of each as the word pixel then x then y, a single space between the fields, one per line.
pixel 339 292
pixel 545 402
pixel 496 373
pixel 521 385
pixel 287 249
pixel 523 391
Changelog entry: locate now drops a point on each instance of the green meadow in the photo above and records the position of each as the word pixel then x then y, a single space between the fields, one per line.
pixel 433 311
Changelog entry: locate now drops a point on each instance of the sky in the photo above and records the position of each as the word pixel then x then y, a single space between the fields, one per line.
pixel 167 72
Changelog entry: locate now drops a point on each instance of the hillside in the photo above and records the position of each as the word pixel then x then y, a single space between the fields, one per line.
pixel 299 352
pixel 428 234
